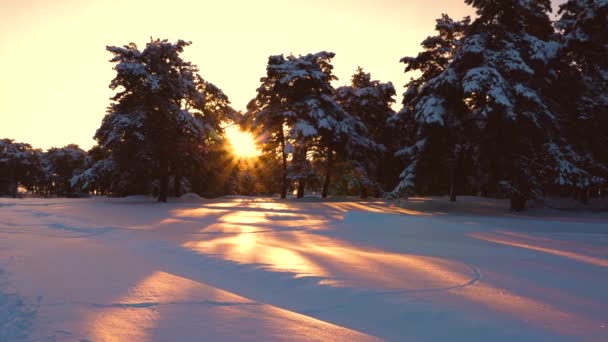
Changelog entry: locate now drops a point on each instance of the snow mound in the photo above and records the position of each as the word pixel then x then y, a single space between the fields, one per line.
pixel 318 198
pixel 137 198
pixel 240 197
pixel 190 197
pixel 133 199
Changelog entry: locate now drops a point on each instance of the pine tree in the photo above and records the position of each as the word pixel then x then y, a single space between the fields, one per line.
pixel 99 173
pixel 296 114
pixel 269 116
pixel 434 116
pixel 492 102
pixel 370 102
pixel 581 91
pixel 513 43
pixel 160 119
pixel 438 53
pixel 19 164
pixel 62 164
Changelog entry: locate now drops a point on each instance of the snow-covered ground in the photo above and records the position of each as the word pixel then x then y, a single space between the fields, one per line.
pixel 104 269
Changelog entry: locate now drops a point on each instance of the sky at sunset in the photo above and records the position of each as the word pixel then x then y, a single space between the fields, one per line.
pixel 55 70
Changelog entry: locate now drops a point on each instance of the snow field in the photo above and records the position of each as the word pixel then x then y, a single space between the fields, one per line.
pixel 103 269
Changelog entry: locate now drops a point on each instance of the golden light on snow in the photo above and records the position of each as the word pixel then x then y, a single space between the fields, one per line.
pixel 156 300
pixel 544 245
pixel 242 235
pixel 243 144
pixel 245 239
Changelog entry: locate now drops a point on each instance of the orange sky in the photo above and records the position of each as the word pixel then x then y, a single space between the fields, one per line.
pixel 55 71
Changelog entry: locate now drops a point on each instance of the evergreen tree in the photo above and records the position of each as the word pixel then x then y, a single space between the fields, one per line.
pixel 62 164
pixel 514 45
pixel 161 117
pixel 434 117
pixel 19 164
pixel 438 53
pixel 370 101
pixel 99 174
pixel 298 118
pixel 269 116
pixel 581 88
pixel 491 102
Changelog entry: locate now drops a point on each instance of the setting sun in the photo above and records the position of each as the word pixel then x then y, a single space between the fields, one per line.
pixel 243 144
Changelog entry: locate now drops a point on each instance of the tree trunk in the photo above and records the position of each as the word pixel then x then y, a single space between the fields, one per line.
pixel 584 196
pixel 452 193
pixel 164 180
pixel 330 162
pixel 14 188
pixel 14 184
pixel 284 165
pixel 518 202
pixel 453 180
pixel 176 185
pixel 301 185
pixel 363 194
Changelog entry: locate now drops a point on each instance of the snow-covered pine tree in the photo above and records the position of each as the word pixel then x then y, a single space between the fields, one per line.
pixel 161 115
pixel 19 164
pixel 370 102
pixel 101 171
pixel 434 118
pixel 321 126
pixel 61 165
pixel 504 63
pixel 211 109
pixel 295 113
pixel 269 115
pixel 438 53
pixel 581 91
pixel 491 101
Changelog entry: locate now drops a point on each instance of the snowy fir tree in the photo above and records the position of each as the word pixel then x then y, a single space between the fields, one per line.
pixel 61 165
pixel 269 116
pixel 370 102
pixel 160 119
pixel 581 91
pixel 299 119
pixel 438 53
pixel 278 114
pixel 488 116
pixel 433 114
pixel 99 173
pixel 19 166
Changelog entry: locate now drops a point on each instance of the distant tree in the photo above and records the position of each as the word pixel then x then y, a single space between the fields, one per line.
pixel 160 120
pixel 18 166
pixel 62 164
pixel 99 173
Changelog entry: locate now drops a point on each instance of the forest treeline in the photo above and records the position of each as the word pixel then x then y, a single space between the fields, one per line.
pixel 508 104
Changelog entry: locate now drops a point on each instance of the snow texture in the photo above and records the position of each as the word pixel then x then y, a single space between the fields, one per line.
pixel 235 269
